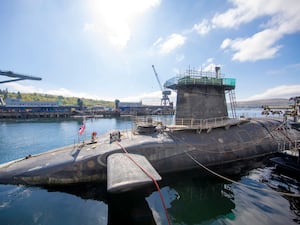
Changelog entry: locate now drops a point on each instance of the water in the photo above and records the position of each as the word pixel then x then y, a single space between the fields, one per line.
pixel 190 198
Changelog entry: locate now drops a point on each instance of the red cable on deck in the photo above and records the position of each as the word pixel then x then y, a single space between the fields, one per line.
pixel 152 178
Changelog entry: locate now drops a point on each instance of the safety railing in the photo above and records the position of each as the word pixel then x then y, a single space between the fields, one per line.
pixel 293 147
pixel 205 123
pixel 200 80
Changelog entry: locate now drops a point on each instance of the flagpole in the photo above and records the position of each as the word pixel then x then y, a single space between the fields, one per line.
pixel 81 130
pixel 78 135
pixel 84 123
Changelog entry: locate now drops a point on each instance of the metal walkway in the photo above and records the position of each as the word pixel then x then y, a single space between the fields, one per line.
pixel 205 124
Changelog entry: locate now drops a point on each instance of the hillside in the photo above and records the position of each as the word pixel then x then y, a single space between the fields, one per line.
pixel 260 103
pixel 55 98
pixel 92 102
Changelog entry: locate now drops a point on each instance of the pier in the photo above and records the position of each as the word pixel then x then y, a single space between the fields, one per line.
pixel 31 115
pixel 61 112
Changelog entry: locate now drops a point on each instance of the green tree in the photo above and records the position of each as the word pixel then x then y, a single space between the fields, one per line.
pixel 19 96
pixel 80 103
pixel 5 94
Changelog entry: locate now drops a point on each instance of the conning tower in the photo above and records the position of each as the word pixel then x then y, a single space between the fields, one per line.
pixel 201 94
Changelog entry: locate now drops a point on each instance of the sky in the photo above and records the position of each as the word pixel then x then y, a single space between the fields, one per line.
pixel 105 49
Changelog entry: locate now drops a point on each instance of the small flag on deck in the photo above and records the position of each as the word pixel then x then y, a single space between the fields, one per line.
pixel 81 129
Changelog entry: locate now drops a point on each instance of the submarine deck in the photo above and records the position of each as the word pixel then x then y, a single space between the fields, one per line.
pixel 166 150
pixel 72 156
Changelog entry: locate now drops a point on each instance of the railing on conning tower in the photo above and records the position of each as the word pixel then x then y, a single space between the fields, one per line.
pixel 195 77
pixel 205 124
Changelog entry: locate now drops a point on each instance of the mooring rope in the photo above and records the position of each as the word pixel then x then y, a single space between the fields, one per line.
pixel 239 183
pixel 228 179
pixel 151 177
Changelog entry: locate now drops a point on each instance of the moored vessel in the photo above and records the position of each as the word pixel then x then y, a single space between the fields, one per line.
pixel 203 134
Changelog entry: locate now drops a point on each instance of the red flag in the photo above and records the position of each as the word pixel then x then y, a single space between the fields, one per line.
pixel 81 129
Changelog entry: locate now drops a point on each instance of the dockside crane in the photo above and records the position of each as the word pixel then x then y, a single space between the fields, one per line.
pixel 165 93
pixel 16 77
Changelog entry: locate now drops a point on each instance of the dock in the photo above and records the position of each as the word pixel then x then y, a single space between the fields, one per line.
pixel 61 112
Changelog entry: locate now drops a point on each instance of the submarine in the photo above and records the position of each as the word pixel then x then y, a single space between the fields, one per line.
pixel 203 135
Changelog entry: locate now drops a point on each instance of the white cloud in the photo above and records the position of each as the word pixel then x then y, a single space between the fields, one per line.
pixel 209 60
pixel 179 57
pixel 209 68
pixel 243 12
pixel 114 19
pixel 283 91
pixel 157 42
pixel 226 43
pixel 151 98
pixel 246 11
pixel 15 86
pixel 282 17
pixel 173 41
pixel 60 91
pixel 259 46
pixel 176 71
pixel 139 97
pixel 89 27
pixel 285 19
pixel 202 28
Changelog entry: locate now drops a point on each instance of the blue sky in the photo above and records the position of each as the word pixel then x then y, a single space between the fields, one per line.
pixel 105 49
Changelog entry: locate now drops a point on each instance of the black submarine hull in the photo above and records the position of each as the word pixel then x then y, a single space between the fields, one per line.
pixel 168 151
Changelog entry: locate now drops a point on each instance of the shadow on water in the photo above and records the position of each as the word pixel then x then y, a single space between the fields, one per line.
pixel 129 208
pixel 193 199
pixel 123 208
pixel 199 199
pixel 284 181
pixel 190 199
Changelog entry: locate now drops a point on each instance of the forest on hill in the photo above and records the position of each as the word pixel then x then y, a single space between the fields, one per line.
pixel 66 101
